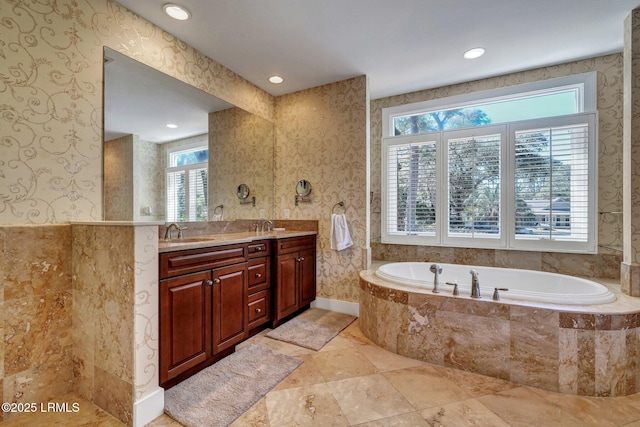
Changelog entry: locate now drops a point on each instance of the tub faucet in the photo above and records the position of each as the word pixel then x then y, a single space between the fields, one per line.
pixel 436 269
pixel 475 284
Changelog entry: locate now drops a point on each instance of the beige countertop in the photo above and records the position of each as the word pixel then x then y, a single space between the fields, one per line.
pixel 212 240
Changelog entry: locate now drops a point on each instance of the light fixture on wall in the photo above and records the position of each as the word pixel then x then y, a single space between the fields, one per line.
pixel 176 12
pixel 276 79
pixel 476 52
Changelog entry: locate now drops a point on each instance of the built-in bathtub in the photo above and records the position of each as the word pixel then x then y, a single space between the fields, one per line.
pixel 572 346
pixel 527 285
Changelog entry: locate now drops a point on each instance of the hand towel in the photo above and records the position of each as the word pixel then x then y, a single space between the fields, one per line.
pixel 340 237
pixel 216 217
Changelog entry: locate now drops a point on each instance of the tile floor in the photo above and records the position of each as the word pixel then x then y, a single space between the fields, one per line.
pixel 351 382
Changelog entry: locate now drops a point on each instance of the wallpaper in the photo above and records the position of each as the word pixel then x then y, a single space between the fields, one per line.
pixel 610 101
pixel 321 136
pixel 51 100
pixel 240 152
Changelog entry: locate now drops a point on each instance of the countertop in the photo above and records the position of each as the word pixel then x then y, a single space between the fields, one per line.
pixel 212 240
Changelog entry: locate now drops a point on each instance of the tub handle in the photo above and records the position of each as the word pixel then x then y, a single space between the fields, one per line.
pixel 456 292
pixel 496 294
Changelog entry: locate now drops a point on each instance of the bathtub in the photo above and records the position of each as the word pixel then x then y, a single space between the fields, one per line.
pixel 527 285
pixel 584 342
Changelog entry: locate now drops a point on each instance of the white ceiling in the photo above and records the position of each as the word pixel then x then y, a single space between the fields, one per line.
pixel 402 45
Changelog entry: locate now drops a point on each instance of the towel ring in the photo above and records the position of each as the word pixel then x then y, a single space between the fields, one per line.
pixel 215 210
pixel 339 205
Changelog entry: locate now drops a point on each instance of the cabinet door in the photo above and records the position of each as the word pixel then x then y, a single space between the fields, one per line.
pixel 230 306
pixel 286 288
pixel 185 323
pixel 307 276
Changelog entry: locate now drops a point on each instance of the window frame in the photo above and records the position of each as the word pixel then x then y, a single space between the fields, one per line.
pixel 587 113
pixel 190 211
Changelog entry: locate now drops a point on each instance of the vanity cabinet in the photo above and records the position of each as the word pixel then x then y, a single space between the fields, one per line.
pixel 295 272
pixel 229 302
pixel 259 285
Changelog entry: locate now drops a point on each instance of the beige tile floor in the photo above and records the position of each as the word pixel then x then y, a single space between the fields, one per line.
pixel 351 382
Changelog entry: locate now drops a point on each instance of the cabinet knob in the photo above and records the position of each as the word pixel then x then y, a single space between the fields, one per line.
pixel 258 275
pixel 216 280
pixel 258 310
pixel 208 282
pixel 300 259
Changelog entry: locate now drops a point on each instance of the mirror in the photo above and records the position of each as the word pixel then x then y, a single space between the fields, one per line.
pixel 303 188
pixel 243 191
pixel 139 102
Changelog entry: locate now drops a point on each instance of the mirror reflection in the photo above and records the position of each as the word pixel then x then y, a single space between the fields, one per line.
pixel 157 172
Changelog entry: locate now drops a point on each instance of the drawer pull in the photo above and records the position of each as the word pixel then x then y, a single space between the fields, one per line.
pixel 258 275
pixel 208 282
pixel 258 310
pixel 216 280
pixel 300 259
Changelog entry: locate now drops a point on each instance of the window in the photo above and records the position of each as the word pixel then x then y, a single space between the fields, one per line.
pixel 527 184
pixel 187 184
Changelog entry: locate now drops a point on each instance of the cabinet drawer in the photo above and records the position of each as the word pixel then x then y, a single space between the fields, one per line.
pixel 259 248
pixel 258 307
pixel 258 274
pixel 190 261
pixel 294 244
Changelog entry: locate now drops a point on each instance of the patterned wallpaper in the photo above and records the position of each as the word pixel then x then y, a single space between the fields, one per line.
pixel 240 152
pixel 609 77
pixel 51 100
pixel 321 136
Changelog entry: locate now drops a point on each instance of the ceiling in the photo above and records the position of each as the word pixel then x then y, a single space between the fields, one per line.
pixel 402 45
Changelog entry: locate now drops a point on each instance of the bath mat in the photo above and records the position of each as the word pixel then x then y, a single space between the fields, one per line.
pixel 219 394
pixel 313 328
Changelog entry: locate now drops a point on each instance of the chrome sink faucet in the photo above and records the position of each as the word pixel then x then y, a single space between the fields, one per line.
pixel 167 233
pixel 475 284
pixel 269 225
pixel 436 269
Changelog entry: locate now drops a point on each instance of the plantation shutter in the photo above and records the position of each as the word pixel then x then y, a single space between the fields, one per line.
pixel 176 196
pixel 198 194
pixel 474 186
pixel 552 183
pixel 410 167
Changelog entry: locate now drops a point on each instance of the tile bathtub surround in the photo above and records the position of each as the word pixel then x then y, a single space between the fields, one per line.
pixel 574 350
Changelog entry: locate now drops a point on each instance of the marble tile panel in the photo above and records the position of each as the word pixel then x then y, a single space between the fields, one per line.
pixel 434 254
pixel 113 395
pixel 337 343
pixel 518 259
pixel 84 323
pixel 410 419
pixel 83 377
pixel 633 361
pixel 571 320
pixel 37 331
pixel 425 387
pixel 306 374
pixel 368 315
pixel 568 354
pixel 571 264
pixel 473 256
pixel 521 406
pixel 477 385
pixel 610 363
pixel 476 307
pixel 313 405
pixel 114 349
pixel 398 253
pixel 422 339
pixel 392 317
pixel 586 362
pixel 608 266
pixel 475 343
pixel 347 363
pixel 354 333
pixel 467 412
pixel 368 398
pixel 37 260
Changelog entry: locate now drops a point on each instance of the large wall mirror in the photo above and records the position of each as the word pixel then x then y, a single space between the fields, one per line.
pixel 186 172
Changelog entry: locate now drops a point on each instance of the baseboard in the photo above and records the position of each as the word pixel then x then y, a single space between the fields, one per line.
pixel 148 408
pixel 346 307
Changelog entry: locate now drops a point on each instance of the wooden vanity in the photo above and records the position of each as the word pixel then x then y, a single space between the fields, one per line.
pixel 215 294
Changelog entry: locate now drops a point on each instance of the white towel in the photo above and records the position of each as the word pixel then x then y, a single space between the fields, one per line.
pixel 340 237
pixel 216 217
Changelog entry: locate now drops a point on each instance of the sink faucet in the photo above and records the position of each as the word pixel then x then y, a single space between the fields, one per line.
pixel 268 223
pixel 436 269
pixel 167 233
pixel 475 284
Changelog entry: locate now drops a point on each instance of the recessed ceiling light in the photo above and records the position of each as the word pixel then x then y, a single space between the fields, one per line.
pixel 176 12
pixel 171 126
pixel 276 79
pixel 476 52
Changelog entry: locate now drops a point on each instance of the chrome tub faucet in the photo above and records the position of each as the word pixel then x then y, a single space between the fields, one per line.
pixel 475 284
pixel 436 269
